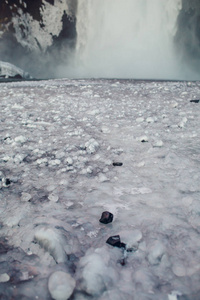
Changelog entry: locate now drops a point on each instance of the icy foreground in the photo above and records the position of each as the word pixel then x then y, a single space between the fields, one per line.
pixel 59 140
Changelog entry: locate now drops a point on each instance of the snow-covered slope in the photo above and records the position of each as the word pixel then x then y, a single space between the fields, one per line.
pixel 71 149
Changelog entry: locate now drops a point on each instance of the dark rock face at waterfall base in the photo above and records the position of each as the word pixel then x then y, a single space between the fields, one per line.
pixel 188 32
pixel 34 34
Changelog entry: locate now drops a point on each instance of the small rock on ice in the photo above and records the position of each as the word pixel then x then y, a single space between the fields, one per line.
pixel 61 285
pixel 117 164
pixel 143 139
pixel 115 241
pixel 106 217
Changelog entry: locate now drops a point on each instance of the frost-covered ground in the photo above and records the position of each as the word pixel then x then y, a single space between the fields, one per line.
pixel 59 139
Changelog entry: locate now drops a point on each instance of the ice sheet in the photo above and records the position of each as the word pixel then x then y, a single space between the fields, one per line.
pixel 59 139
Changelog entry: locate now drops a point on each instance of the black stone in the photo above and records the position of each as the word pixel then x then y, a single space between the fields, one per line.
pixel 115 241
pixel 7 181
pixel 106 217
pixel 117 164
pixel 195 101
pixel 122 262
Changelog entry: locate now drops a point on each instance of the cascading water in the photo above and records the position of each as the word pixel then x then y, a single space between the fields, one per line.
pixel 128 39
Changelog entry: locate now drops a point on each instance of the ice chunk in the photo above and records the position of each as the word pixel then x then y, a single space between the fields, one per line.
pixel 140 120
pixel 102 178
pixel 52 242
pixel 91 146
pixel 179 269
pixel 20 139
pixel 182 123
pixel 150 120
pixel 54 162
pixel 105 129
pixel 96 275
pixel 174 295
pixel 69 161
pixel 158 144
pixel 144 280
pixel 174 104
pixel 156 252
pixel 61 285
pixel 131 237
pixel 141 164
pixel 53 197
pixel 25 197
pixel 4 277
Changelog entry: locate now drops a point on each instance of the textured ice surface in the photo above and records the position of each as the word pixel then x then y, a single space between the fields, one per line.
pixel 59 139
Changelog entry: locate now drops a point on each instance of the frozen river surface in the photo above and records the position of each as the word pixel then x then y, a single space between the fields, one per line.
pixel 72 149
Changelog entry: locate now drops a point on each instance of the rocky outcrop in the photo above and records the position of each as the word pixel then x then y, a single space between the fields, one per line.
pixel 33 34
pixel 188 32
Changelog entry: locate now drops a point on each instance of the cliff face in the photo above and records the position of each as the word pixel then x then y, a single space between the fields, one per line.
pixel 36 31
pixel 188 33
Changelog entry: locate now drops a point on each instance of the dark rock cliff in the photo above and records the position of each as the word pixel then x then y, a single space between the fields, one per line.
pixel 33 34
pixel 188 33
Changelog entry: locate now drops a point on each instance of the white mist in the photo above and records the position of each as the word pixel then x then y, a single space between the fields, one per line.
pixel 127 39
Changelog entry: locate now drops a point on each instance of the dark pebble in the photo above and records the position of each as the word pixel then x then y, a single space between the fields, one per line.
pixel 7 181
pixel 195 101
pixel 122 262
pixel 106 217
pixel 115 241
pixel 129 250
pixel 117 164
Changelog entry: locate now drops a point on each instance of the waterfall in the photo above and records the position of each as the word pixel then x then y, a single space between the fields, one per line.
pixel 127 39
